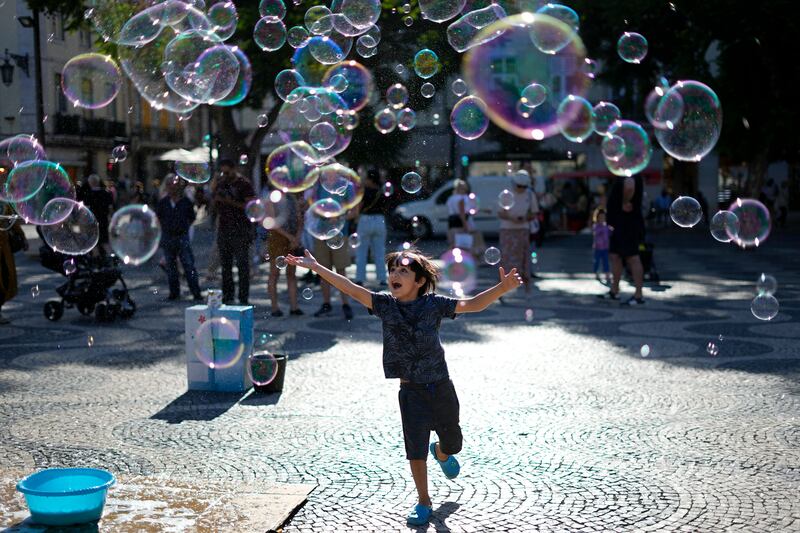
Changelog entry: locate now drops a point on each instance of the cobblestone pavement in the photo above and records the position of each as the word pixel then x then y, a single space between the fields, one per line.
pixel 567 426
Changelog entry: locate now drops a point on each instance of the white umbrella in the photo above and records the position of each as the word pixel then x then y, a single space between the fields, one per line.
pixel 198 155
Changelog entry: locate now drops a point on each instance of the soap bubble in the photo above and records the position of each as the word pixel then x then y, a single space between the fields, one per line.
pixel 301 112
pixel 606 115
pixel 644 350
pixel 91 80
pixel 338 182
pixel 465 32
pixel 533 95
pixel 223 17
pixel 440 10
pixel 287 81
pixel 492 255
pixel 427 90
pixel 397 95
pixel 24 180
pixel 561 12
pixel 335 242
pixel 354 241
pixel 241 88
pixel 119 153
pixel 134 233
pixel 269 33
pixel 307 293
pixel 696 132
pixel 766 284
pixel 272 8
pixel 297 36
pixel 359 83
pixel 411 182
pixel 56 185
pixel 558 52
pixel 288 167
pixel 426 63
pixel 764 307
pixel 632 47
pixel 255 210
pixel 712 349
pixel 199 67
pixel 724 226
pixel 193 172
pixel 76 234
pixel 459 87
pixel 338 83
pixel 406 119
pixel 352 17
pixel 669 114
pixel 388 189
pixel 35 291
pixel 324 219
pixel 322 135
pixel 318 20
pixel 385 121
pixel 262 367
pixel 575 118
pixel 327 50
pixel 505 199
pixel 262 121
pixel 459 272
pixel 637 152
pixel 468 117
pixel 217 343
pixel 243 159
pixel 613 147
pixel 18 149
pixel 685 211
pixel 281 262
pixel 754 221
pixel 69 267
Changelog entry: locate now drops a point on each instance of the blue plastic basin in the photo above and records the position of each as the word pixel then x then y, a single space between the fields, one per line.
pixel 66 496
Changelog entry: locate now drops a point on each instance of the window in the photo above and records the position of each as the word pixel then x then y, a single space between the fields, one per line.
pixel 112 107
pixel 61 100
pixel 85 37
pixel 62 26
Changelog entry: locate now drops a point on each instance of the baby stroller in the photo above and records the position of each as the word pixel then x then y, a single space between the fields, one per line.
pixel 89 288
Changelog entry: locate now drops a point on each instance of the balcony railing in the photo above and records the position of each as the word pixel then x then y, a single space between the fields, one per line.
pixel 88 127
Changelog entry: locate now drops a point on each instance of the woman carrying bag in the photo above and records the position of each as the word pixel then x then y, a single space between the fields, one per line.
pixel 515 228
pixel 12 240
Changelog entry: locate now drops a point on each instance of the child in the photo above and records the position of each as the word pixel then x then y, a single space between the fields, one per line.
pixel 602 234
pixel 412 351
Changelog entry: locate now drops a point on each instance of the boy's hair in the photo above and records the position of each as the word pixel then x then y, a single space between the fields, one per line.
pixel 597 212
pixel 419 263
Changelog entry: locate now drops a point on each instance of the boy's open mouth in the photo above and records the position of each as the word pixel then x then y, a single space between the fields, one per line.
pixel 396 285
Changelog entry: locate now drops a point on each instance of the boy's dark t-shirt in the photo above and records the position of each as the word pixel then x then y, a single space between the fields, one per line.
pixel 412 349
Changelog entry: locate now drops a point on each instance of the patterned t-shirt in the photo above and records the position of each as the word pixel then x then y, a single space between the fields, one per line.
pixel 412 349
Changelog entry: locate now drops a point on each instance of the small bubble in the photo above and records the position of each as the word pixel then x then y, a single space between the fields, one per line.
pixel 90 341
pixel 529 315
pixel 35 291
pixel 644 350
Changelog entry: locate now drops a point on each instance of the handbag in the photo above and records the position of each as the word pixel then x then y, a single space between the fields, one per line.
pixel 16 240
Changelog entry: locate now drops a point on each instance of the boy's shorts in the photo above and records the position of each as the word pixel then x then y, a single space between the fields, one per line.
pixel 330 258
pixel 425 408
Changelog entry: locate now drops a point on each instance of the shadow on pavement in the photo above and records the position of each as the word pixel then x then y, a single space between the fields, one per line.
pixel 197 405
pixel 440 515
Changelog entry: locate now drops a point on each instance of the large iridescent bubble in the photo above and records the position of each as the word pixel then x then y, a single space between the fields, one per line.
pixel 637 149
pixel 359 83
pixel 134 233
pixel 23 181
pixel 269 33
pixel 337 182
pixel 199 67
pixel 91 80
pixel 76 234
pixel 305 108
pixel 324 219
pixel 223 17
pixel 539 49
pixel 441 10
pixel 468 118
pixel 289 166
pixel 243 83
pixel 465 33
pixel 755 223
pixel 698 128
pixel 19 148
pixel 358 14
pixel 576 118
pixel 56 185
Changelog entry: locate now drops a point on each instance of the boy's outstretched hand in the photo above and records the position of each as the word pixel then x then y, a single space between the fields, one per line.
pixel 306 262
pixel 509 281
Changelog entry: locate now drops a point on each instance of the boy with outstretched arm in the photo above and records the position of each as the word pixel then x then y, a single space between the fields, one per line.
pixel 412 351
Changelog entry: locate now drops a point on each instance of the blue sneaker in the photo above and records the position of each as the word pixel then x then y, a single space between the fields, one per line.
pixel 420 516
pixel 450 467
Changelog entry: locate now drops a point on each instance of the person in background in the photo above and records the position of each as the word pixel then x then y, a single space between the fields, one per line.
pixel 515 229
pixel 662 204
pixel 176 214
pixel 139 196
pixel 782 204
pixel 11 236
pixel 624 214
pixel 234 230
pixel 284 239
pixel 101 203
pixel 701 199
pixel 601 234
pixel 371 229
pixel 457 212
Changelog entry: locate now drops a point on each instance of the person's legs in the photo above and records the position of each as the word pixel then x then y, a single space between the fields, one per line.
pixel 596 263
pixel 187 260
pixel 171 250
pixel 272 284
pixel 243 265
pixel 616 271
pixel 226 262
pixel 291 283
pixel 606 270
pixel 379 249
pixel 419 471
pixel 637 271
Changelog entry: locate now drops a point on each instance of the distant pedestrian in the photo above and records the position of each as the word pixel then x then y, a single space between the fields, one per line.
pixel 101 203
pixel 624 214
pixel 458 213
pixel 515 228
pixel 411 315
pixel 782 204
pixel 176 214
pixel 601 235
pixel 371 229
pixel 284 239
pixel 235 232
pixel 12 240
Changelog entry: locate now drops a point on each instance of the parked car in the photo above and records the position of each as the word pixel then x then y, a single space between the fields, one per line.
pixel 431 213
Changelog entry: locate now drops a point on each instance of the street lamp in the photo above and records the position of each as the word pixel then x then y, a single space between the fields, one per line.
pixel 33 22
pixel 7 69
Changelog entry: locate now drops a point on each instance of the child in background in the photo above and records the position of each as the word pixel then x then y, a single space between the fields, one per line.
pixel 602 234
pixel 412 351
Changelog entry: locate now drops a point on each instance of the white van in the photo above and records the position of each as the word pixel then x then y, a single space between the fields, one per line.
pixel 431 213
